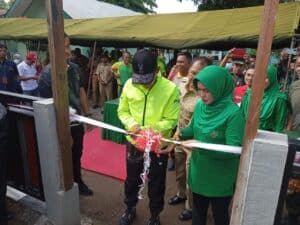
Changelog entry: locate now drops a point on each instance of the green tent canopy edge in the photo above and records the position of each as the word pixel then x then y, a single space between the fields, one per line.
pixel 219 29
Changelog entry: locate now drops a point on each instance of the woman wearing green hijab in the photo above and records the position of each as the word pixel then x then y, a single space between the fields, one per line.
pixel 218 120
pixel 274 104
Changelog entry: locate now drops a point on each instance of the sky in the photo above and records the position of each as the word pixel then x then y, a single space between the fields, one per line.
pixel 174 6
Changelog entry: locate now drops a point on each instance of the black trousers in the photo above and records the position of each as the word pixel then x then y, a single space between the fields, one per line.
pixel 156 179
pixel 77 133
pixel 3 168
pixel 219 205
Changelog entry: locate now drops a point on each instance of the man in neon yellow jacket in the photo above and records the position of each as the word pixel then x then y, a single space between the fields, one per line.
pixel 147 101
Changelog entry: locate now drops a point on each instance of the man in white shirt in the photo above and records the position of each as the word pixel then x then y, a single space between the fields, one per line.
pixel 28 74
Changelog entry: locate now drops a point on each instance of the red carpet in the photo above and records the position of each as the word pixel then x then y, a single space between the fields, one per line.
pixel 104 157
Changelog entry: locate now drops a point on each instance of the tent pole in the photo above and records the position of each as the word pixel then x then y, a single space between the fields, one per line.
pixel 38 50
pixel 293 41
pixel 91 69
pixel 39 47
pixel 60 88
pixel 263 54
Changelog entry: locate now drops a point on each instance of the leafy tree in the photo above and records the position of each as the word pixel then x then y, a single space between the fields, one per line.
pixel 5 5
pixel 228 4
pixel 143 6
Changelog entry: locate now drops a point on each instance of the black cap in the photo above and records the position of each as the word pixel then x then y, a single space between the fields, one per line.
pixel 144 65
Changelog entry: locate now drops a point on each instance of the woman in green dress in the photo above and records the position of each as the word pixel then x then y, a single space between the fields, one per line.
pixel 218 120
pixel 274 104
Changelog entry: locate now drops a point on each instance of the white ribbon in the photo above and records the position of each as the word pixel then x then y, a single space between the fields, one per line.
pixel 97 123
pixel 189 144
pixel 214 147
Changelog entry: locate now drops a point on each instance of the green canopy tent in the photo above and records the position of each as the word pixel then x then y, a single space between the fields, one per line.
pixel 220 29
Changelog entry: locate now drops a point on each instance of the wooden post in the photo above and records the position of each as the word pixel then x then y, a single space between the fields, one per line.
pixel 60 87
pixel 262 60
pixel 91 69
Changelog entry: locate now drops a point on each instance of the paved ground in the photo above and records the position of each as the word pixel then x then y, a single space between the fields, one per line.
pixel 105 207
pixel 107 204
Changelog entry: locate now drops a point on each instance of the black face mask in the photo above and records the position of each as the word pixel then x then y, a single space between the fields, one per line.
pixel 285 59
pixel 195 84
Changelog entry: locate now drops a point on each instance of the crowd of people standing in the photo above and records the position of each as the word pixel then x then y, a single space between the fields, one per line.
pixel 189 98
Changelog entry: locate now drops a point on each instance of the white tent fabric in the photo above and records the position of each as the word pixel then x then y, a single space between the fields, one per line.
pixel 76 9
pixel 81 9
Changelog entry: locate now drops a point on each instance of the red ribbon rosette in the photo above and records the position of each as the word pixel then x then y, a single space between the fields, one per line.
pixel 146 135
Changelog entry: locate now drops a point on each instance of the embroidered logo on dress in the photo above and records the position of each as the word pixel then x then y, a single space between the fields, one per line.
pixel 213 134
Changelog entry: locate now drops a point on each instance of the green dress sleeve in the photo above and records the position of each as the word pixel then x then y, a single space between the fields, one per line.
pixel 245 104
pixel 188 132
pixel 234 132
pixel 280 114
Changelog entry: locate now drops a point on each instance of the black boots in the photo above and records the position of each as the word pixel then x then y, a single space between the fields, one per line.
pixel 128 216
pixel 154 221
pixel 84 189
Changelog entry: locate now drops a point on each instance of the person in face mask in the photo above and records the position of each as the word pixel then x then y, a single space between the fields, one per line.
pixel 17 58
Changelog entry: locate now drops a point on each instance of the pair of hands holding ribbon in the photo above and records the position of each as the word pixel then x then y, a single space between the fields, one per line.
pixel 145 139
pixel 140 137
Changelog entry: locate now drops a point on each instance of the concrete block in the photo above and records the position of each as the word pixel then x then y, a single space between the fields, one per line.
pixel 62 207
pixel 266 172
